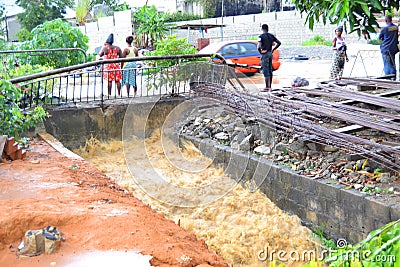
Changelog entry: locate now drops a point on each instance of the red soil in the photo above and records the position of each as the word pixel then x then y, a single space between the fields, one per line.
pixel 46 189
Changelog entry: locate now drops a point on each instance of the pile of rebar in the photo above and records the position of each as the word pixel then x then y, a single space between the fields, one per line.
pixel 294 112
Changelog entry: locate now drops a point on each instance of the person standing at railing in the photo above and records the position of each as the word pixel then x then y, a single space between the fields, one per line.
pixel 112 72
pixel 129 72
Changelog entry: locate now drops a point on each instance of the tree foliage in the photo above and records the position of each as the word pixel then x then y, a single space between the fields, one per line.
pixel 56 34
pixel 13 120
pixel 39 11
pixel 356 16
pixel 149 25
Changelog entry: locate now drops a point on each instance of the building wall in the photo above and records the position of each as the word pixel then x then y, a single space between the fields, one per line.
pixel 289 27
pixel 12 25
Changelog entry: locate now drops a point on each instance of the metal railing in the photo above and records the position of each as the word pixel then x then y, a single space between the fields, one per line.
pixel 154 76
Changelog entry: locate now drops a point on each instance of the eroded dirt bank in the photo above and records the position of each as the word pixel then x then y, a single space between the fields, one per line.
pixel 92 213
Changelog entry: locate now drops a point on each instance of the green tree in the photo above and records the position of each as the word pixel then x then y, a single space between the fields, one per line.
pixel 82 9
pixel 39 11
pixel 13 120
pixel 357 16
pixel 149 25
pixel 56 34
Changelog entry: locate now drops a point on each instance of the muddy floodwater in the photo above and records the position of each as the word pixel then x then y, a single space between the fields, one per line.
pixel 244 227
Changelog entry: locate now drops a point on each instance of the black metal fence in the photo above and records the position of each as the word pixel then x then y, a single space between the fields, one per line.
pixel 147 76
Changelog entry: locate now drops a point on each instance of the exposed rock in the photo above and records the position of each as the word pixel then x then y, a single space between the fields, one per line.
pixel 222 136
pixel 329 148
pixel 245 145
pixel 263 150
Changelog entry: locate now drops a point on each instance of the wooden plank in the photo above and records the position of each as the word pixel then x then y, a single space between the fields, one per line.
pixel 57 145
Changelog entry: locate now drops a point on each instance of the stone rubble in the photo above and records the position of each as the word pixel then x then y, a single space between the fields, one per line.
pixel 317 161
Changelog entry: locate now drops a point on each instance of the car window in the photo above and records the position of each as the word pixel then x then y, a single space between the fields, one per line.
pixel 229 50
pixel 247 48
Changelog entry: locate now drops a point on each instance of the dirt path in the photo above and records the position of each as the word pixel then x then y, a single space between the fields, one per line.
pixel 91 212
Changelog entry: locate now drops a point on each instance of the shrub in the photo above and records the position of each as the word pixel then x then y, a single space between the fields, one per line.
pixel 317 40
pixel 55 34
pixel 24 35
pixel 14 121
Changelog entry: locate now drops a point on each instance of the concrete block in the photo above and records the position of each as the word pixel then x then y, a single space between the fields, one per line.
pixel 296 181
pixel 377 209
pixel 312 216
pixel 336 212
pixel 352 199
pixel 298 196
pixel 263 172
pixel 236 165
pixel 309 185
pixel 317 204
pixel 327 191
pixel 395 212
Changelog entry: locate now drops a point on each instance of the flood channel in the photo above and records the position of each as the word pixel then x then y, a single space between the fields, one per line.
pixel 244 227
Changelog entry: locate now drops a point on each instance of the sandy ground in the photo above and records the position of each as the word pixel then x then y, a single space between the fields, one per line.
pixel 97 218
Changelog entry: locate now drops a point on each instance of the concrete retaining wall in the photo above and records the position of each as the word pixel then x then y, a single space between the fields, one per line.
pixel 73 126
pixel 341 213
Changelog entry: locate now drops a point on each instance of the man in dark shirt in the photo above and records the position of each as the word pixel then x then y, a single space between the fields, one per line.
pixel 265 43
pixel 389 37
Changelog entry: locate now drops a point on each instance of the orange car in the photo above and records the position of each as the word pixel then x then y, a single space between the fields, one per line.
pixel 240 52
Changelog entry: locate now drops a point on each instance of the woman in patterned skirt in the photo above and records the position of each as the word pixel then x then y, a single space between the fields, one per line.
pixel 339 55
pixel 112 72
pixel 129 72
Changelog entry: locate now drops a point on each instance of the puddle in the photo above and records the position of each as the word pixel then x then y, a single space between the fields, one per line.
pixel 107 259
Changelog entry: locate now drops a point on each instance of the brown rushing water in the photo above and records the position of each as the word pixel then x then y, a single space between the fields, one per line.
pixel 237 225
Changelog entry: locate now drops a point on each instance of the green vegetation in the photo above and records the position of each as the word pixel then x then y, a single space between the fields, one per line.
pixel 357 16
pixel 380 248
pixel 375 41
pixel 14 121
pixel 24 35
pixel 150 25
pixel 317 40
pixel 55 34
pixel 171 46
pixel 40 11
pixel 165 73
pixel 180 16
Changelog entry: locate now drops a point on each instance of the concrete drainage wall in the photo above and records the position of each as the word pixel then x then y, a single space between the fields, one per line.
pixel 340 213
pixel 72 126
